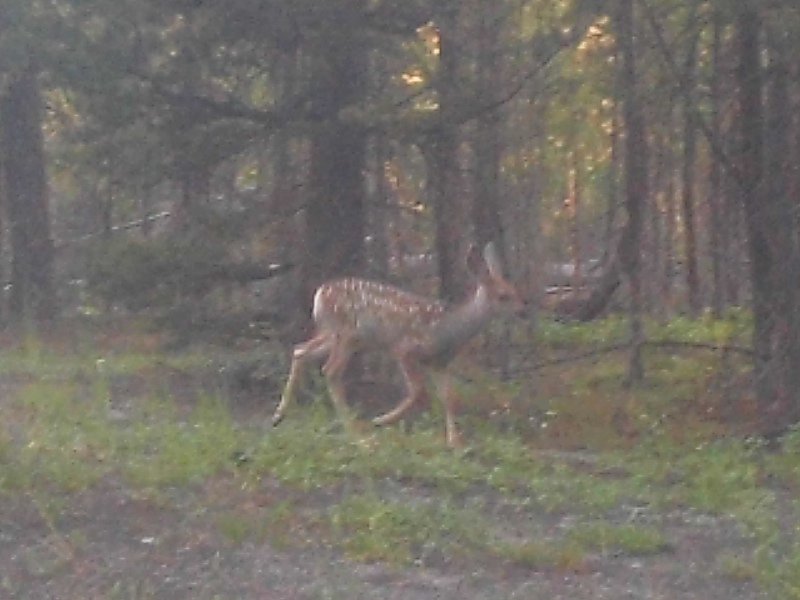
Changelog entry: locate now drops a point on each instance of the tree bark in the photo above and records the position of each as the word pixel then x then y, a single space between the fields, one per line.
pixel 636 188
pixel 688 181
pixel 380 221
pixel 793 274
pixel 669 264
pixel 757 221
pixel 612 184
pixel 444 173
pixel 486 209
pixel 718 234
pixel 574 215
pixel 780 207
pixel 335 218
pixel 32 291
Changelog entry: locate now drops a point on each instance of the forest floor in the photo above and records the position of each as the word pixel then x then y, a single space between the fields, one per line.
pixel 130 473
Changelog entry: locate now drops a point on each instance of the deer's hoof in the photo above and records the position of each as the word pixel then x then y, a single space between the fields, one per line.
pixel 276 419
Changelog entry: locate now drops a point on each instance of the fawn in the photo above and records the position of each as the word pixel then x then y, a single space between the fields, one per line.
pixel 421 334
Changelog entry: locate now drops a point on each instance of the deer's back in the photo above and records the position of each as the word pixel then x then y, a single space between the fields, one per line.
pixel 375 313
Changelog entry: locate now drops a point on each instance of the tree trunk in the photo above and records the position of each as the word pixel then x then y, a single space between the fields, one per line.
pixel 688 181
pixel 380 217
pixel 780 207
pixel 380 222
pixel 574 196
pixel 444 173
pixel 32 291
pixel 669 264
pixel 757 221
pixel 335 218
pixel 635 187
pixel 278 175
pixel 487 205
pixel 281 170
pixel 793 274
pixel 715 195
pixel 655 249
pixel 486 209
pixel 612 187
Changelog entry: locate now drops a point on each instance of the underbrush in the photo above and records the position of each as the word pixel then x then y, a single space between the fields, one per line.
pixel 599 471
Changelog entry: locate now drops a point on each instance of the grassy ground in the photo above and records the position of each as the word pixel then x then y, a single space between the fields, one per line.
pixel 113 448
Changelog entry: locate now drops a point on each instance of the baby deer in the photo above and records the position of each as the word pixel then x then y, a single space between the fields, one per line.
pixel 423 335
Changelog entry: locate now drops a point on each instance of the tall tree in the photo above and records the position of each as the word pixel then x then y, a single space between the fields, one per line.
pixel 688 174
pixel 26 195
pixel 636 189
pixel 781 209
pixel 486 206
pixel 718 234
pixel 335 210
pixel 442 156
pixel 750 161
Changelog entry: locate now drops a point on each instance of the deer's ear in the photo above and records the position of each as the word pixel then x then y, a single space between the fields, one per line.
pixel 474 260
pixel 492 260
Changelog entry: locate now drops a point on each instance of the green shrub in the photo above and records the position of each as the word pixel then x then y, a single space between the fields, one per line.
pixel 142 273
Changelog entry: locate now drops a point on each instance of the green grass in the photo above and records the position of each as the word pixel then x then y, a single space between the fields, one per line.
pixel 131 590
pixel 67 442
pixel 535 554
pixel 71 441
pixel 32 358
pixel 736 325
pixel 402 497
pixel 636 540
pixel 559 335
pixel 160 449
pixel 373 529
pixel 737 567
pixel 721 478
pixel 785 465
pixel 786 580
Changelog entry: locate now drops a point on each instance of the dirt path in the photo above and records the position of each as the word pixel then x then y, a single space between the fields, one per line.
pixel 107 543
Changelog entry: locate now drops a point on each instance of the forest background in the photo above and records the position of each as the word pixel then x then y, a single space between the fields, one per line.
pixel 189 171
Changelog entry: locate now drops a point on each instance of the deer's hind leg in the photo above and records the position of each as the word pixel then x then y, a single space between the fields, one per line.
pixel 314 349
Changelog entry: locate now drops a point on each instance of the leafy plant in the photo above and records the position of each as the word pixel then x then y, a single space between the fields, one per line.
pixel 138 274
pixel 374 529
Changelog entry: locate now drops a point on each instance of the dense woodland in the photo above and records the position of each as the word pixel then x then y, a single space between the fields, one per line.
pixel 637 156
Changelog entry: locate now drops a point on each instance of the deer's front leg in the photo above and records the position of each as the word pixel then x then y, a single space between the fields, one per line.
pixel 444 389
pixel 334 369
pixel 315 348
pixel 414 376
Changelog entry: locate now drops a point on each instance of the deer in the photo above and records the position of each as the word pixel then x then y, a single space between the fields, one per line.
pixel 423 335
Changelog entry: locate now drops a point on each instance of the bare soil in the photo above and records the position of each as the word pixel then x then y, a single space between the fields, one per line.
pixel 107 543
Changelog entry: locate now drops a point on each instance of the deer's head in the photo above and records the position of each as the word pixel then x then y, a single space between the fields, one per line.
pixel 486 267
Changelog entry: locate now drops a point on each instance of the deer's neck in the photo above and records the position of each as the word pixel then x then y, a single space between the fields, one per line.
pixel 460 324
